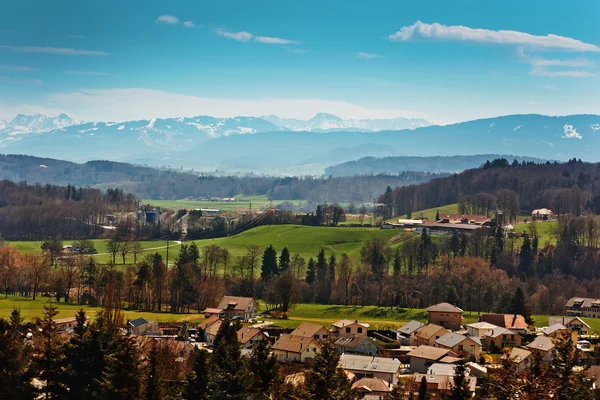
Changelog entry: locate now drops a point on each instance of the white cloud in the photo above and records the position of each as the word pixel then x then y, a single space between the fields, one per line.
pixel 246 36
pixel 87 73
pixel 53 50
pixel 274 40
pixel 239 36
pixel 167 19
pixel 571 132
pixel 569 73
pixel 464 33
pixel 21 81
pixel 547 67
pixel 189 24
pixel 16 68
pixel 550 144
pixel 595 127
pixel 137 103
pixel 367 56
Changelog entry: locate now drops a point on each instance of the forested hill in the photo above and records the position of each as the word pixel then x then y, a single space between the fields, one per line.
pixel 570 187
pixel 392 165
pixel 152 183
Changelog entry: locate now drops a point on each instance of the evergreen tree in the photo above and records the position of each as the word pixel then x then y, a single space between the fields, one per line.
pixel 198 379
pixel 193 253
pixel 397 263
pixel 154 385
pixel 526 257
pixel 263 369
pixel 48 358
pixel 518 305
pixel 229 376
pixel 322 295
pixel 437 215
pixel 269 264
pixel 463 244
pixel 331 273
pixel 460 384
pixel 284 260
pixel 423 395
pixel 455 244
pixel 325 380
pixel 311 271
pixel 14 360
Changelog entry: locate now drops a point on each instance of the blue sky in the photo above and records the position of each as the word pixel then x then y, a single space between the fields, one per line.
pixel 446 61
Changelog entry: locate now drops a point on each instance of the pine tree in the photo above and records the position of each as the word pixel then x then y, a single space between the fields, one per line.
pixel 437 215
pixel 423 395
pixel 154 385
pixel 284 260
pixel 526 257
pixel 518 305
pixel 460 384
pixel 269 264
pixel 193 253
pixel 455 244
pixel 322 295
pixel 263 368
pixel 198 377
pixel 228 372
pixel 397 263
pixel 14 360
pixel 325 380
pixel 331 273
pixel 311 271
pixel 48 358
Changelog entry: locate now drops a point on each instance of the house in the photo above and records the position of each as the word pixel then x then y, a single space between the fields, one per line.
pixel 213 312
pixel 544 345
pixel 243 307
pixel 204 325
pixel 251 337
pixel 406 334
pixel 573 323
pixel 480 329
pixel 428 334
pixel 372 388
pixel 423 357
pixel 470 219
pixel 308 330
pixel 356 344
pixel 211 332
pixel 141 327
pixel 500 338
pixel 543 214
pixel 371 367
pixel 460 344
pixel 290 348
pixel 347 326
pixel 559 330
pixel 446 315
pixel 514 322
pixel 440 228
pixel 583 307
pixel 520 356
pixel 64 324
pixel 441 385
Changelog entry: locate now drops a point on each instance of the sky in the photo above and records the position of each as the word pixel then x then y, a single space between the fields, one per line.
pixel 445 61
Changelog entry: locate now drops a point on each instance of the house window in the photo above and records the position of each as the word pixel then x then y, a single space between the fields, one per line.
pixel 347 330
pixel 325 336
pixel 472 348
pixel 359 330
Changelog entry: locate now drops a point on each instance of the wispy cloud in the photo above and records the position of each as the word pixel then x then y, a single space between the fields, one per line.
pixel 16 68
pixel 71 72
pixel 367 56
pixel 575 68
pixel 167 19
pixel 570 132
pixel 189 24
pixel 21 81
pixel 53 50
pixel 464 33
pixel 246 36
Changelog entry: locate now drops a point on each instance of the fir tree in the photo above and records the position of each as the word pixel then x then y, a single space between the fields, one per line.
pixel 198 377
pixel 437 215
pixel 263 369
pixel 325 380
pixel 460 384
pixel 526 257
pixel 229 376
pixel 49 356
pixel 154 385
pixel 518 305
pixel 322 295
pixel 397 263
pixel 284 260
pixel 14 360
pixel 423 395
pixel 269 264
pixel 311 271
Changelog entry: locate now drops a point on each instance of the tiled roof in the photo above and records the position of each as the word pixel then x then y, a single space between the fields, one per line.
pixel 428 331
pixel 235 303
pixel 306 329
pixel 294 344
pixel 246 334
pixel 208 322
pixel 510 321
pixel 345 322
pixel 410 327
pixel 353 341
pixel 368 363
pixel 371 385
pixel 444 307
pixel 541 343
pixel 429 352
pixel 452 339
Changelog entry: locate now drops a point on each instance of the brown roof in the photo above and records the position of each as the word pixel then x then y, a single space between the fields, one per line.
pixel 345 322
pixel 212 311
pixel 444 307
pixel 306 329
pixel 246 334
pixel 566 321
pixel 294 344
pixel 541 343
pixel 583 302
pixel 208 322
pixel 428 331
pixel 214 328
pixel 429 353
pixel 371 385
pixel 68 320
pixel 238 303
pixel 353 341
pixel 518 354
pixel 510 321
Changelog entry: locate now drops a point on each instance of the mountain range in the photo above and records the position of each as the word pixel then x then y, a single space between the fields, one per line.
pixel 279 146
pixel 323 122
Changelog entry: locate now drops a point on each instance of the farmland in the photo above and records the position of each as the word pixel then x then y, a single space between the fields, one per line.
pixel 241 202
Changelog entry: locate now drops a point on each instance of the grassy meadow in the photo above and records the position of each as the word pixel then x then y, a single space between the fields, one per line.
pixel 242 202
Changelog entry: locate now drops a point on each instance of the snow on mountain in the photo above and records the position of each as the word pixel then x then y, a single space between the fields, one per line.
pixel 324 122
pixel 24 124
pixel 3 124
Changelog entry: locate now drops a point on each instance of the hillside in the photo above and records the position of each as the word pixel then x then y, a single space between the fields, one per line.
pixel 392 165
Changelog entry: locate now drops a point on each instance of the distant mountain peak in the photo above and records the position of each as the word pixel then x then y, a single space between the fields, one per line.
pixel 324 122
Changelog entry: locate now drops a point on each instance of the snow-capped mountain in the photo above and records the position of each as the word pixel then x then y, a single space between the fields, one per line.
pixel 24 124
pixel 3 123
pixel 323 122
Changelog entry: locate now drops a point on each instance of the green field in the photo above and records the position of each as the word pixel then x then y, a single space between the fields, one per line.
pixel 545 231
pixel 431 212
pixel 305 240
pixel 242 202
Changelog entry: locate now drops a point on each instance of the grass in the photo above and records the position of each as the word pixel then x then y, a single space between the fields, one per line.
pixel 305 240
pixel 544 231
pixel 431 212
pixel 242 202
